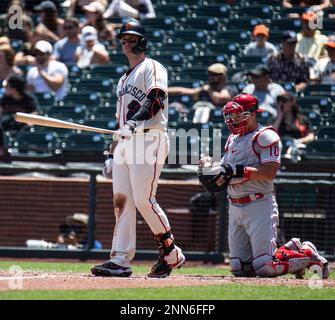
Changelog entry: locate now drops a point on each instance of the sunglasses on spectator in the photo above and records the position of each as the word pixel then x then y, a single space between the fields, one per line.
pixel 132 41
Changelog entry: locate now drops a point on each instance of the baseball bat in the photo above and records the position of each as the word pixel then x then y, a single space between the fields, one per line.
pixel 56 123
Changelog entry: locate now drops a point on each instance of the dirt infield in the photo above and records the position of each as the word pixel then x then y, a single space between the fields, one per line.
pixel 80 281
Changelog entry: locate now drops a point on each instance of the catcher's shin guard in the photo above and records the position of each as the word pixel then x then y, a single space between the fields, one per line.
pixel 266 266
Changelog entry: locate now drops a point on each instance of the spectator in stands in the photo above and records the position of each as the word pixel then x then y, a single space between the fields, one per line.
pixel 216 91
pixel 324 70
pixel 48 74
pixel 73 234
pixel 264 89
pixel 65 49
pixel 138 9
pixel 310 40
pixel 260 46
pixel 75 7
pixel 7 68
pixel 315 4
pixel 90 51
pixel 290 122
pixel 94 17
pixel 287 65
pixel 50 27
pixel 15 99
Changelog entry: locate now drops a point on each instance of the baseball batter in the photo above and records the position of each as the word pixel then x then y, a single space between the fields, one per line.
pixel 137 158
pixel 248 167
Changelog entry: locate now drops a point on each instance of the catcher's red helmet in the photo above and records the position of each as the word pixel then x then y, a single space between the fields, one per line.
pixel 238 112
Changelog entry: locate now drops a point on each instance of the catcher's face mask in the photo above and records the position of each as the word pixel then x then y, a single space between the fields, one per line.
pixel 236 118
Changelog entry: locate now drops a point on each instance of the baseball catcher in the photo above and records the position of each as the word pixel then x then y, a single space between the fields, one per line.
pixel 248 168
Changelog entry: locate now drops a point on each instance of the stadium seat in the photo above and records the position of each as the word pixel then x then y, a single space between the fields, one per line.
pixel 38 146
pixel 45 98
pixel 216 115
pixel 237 36
pixel 104 124
pixel 160 22
pixel 111 70
pixel 79 97
pixel 103 113
pixel 172 59
pixel 206 59
pixel 192 35
pixel 327 133
pixel 256 11
pixel 315 119
pixel 315 103
pixel 214 10
pixel 186 48
pixel 77 114
pixel 195 73
pixel 201 22
pixel 83 147
pixel 178 10
pixel 320 150
pixel 319 90
pixel 100 84
pixel 244 23
pixel 226 48
pixel 285 24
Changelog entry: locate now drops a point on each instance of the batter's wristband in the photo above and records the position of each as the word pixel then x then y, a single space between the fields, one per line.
pixel 239 171
pixel 110 156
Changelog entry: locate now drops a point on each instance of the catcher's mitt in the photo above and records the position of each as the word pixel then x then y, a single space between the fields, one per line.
pixel 211 177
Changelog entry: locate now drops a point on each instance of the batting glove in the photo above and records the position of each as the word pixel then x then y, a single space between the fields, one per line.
pixel 107 170
pixel 127 131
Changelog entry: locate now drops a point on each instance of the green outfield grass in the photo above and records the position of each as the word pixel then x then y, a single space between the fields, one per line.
pixel 222 292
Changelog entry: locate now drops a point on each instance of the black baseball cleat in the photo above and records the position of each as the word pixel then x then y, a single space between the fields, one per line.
pixel 162 269
pixel 110 269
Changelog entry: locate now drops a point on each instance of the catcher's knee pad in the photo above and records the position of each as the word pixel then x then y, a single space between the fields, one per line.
pixel 241 269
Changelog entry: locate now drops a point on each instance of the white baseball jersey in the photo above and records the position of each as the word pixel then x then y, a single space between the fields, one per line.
pixel 252 149
pixel 132 91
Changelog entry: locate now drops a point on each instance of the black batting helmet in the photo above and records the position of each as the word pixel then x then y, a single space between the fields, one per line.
pixel 132 27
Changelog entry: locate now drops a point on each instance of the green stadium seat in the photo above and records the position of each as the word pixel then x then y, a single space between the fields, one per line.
pixel 284 12
pixel 160 22
pixel 78 113
pixel 100 84
pixel 172 59
pixel 314 103
pixel 201 22
pixel 35 146
pixel 104 124
pixel 286 24
pixel 109 70
pixel 256 11
pixel 264 118
pixel 320 150
pixel 237 36
pixel 327 133
pixel 103 113
pixel 329 11
pixel 315 119
pixel 214 10
pixel 195 73
pixel 45 98
pixel 224 48
pixel 319 90
pixel 79 97
pixel 178 10
pixel 83 147
pixel 216 116
pixel 244 23
pixel 184 47
pixel 117 57
pixel 248 62
pixel 190 35
pixel 173 115
pixel 206 59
